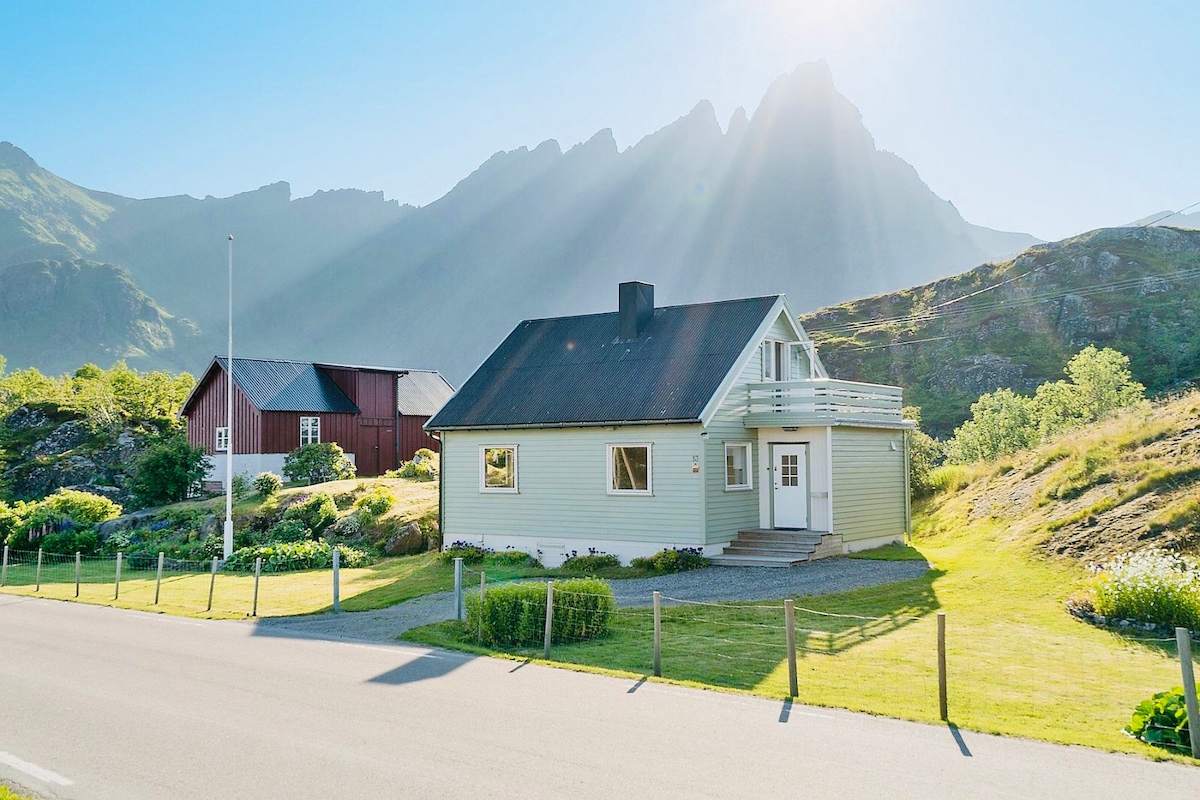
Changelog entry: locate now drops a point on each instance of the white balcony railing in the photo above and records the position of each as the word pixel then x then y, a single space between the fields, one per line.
pixel 823 401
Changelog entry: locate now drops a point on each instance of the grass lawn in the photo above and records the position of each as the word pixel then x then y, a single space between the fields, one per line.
pixel 8 794
pixel 1018 663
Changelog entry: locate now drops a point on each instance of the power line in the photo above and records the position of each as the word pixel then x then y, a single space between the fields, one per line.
pixel 923 315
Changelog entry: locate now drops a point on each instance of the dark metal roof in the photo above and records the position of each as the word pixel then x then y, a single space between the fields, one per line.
pixel 576 369
pixel 288 386
pixel 420 393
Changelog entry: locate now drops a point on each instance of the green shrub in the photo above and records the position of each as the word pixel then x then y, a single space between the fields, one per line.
pixel 672 560
pixel 240 485
pixel 515 614
pixel 85 541
pixel 315 511
pixel 167 471
pixel 1162 721
pixel 267 484
pixel 66 509
pixel 513 558
pixel 419 470
pixel 1151 586
pixel 425 454
pixel 592 561
pixel 470 553
pixel 289 530
pixel 375 502
pixel 290 556
pixel 317 463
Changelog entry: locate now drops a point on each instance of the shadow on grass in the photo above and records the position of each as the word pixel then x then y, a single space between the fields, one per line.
pixel 736 646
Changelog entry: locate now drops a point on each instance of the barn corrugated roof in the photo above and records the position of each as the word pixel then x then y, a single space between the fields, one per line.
pixel 577 370
pixel 420 393
pixel 288 386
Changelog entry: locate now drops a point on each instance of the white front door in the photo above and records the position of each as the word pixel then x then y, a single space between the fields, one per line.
pixel 789 469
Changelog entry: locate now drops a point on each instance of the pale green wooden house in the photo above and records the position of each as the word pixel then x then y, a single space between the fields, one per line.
pixel 712 426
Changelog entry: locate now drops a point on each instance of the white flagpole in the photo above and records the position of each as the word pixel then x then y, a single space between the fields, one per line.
pixel 229 420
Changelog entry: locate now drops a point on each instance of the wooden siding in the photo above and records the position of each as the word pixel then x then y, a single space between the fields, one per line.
pixel 562 481
pixel 726 511
pixel 208 412
pixel 281 430
pixel 413 437
pixel 868 483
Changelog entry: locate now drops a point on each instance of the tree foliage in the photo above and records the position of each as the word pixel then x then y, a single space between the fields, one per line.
pixel 104 397
pixel 924 453
pixel 168 471
pixel 316 463
pixel 1004 422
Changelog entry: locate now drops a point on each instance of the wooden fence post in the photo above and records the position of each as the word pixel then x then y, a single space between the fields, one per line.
pixel 789 618
pixel 943 707
pixel 78 570
pixel 458 589
pixel 212 582
pixel 158 578
pixel 4 567
pixel 117 582
pixel 38 579
pixel 257 572
pixel 337 590
pixel 549 615
pixel 1183 638
pixel 657 634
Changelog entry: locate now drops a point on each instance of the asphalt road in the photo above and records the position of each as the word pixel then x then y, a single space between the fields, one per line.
pixel 104 703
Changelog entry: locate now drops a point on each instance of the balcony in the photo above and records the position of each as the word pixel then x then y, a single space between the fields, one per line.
pixel 823 401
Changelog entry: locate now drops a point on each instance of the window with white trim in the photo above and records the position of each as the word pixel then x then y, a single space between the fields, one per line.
pixel 775 360
pixel 629 469
pixel 310 430
pixel 222 443
pixel 737 465
pixel 498 468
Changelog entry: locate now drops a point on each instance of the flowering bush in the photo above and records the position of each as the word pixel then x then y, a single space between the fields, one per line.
pixel 376 502
pixel 592 561
pixel 469 552
pixel 267 483
pixel 1150 586
pixel 672 559
pixel 287 556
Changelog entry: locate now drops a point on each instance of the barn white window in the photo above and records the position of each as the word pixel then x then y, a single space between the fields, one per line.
pixel 222 443
pixel 310 430
pixel 737 465
pixel 629 469
pixel 498 468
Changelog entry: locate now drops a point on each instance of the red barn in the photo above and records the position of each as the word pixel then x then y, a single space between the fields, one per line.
pixel 374 413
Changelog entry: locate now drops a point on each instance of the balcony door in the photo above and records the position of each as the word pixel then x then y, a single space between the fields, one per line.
pixel 789 493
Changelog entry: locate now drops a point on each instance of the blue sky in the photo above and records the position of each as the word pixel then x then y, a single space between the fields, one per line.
pixel 1050 118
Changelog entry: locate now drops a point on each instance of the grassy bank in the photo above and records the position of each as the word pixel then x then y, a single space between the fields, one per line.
pixel 1018 664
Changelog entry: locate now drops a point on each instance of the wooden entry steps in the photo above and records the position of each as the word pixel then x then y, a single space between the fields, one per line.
pixel 774 548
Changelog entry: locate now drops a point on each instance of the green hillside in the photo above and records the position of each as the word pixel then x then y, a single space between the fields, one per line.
pixel 1132 289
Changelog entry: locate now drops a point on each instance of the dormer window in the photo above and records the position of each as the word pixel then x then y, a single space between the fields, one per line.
pixel 775 360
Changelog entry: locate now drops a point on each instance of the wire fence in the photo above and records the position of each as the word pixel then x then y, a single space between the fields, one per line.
pixel 904 660
pixel 154 581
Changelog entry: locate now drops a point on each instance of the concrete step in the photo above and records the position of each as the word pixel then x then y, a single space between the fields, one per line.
pixel 806 537
pixel 755 561
pixel 770 548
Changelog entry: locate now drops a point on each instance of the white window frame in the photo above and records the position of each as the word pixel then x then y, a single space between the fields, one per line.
pixel 611 474
pixel 483 487
pixel 749 467
pixel 779 371
pixel 315 424
pixel 221 442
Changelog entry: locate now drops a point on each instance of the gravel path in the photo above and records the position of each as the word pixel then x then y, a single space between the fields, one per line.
pixel 713 584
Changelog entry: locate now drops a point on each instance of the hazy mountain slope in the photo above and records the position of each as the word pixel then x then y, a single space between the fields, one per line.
pixel 793 199
pixel 42 215
pixel 1134 289
pixel 57 315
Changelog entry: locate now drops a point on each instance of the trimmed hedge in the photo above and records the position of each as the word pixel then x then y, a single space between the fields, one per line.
pixel 515 614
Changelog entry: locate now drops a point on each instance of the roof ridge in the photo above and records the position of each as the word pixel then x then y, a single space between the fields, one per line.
pixel 660 308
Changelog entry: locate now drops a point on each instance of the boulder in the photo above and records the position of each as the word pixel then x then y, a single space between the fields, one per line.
pixel 407 541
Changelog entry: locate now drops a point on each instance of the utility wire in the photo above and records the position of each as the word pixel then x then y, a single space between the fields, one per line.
pixel 921 316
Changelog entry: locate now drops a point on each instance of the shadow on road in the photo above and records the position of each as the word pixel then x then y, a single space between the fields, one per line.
pixel 421 669
pixel 958 739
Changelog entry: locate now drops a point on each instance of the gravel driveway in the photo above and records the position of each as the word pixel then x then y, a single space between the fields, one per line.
pixel 709 585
